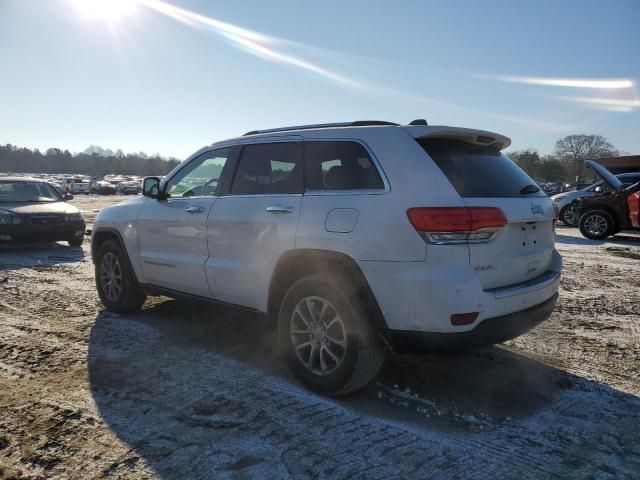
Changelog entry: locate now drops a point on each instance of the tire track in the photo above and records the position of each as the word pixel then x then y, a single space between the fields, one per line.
pixel 285 412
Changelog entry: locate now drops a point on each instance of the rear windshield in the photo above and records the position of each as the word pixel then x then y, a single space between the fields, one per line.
pixel 477 172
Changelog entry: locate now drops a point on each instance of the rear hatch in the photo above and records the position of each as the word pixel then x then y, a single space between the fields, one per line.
pixel 520 250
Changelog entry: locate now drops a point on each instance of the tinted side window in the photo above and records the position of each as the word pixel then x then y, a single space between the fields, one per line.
pixel 340 165
pixel 269 168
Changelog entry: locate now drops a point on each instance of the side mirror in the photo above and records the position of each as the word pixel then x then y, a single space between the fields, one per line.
pixel 598 190
pixel 67 196
pixel 151 187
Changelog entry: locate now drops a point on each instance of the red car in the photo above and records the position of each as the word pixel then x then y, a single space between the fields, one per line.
pixel 634 209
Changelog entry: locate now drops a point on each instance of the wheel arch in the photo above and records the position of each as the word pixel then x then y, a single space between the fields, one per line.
pixel 103 234
pixel 295 264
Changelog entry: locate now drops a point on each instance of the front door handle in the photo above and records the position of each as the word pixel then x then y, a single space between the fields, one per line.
pixel 194 209
pixel 279 209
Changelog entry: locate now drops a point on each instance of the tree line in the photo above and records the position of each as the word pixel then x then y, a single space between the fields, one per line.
pixel 566 164
pixel 93 161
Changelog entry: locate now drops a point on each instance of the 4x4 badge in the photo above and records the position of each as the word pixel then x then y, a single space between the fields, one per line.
pixel 537 209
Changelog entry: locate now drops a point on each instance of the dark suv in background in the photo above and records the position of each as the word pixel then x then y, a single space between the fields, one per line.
pixel 608 213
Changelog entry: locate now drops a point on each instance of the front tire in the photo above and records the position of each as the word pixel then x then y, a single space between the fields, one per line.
pixel 566 216
pixel 117 287
pixel 328 340
pixel 597 225
pixel 75 242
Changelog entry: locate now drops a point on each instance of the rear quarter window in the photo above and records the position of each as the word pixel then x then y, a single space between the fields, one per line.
pixel 339 165
pixel 478 172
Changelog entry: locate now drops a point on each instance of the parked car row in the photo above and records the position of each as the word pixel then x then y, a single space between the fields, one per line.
pixel 603 208
pixel 84 184
pixel 564 200
pixel 552 188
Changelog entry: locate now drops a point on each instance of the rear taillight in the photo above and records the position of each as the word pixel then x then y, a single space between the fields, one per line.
pixel 464 318
pixel 454 225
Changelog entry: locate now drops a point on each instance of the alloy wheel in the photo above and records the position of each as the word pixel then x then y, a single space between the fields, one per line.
pixel 596 225
pixel 111 276
pixel 318 335
pixel 567 216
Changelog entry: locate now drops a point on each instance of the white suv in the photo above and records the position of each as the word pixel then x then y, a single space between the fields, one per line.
pixel 354 237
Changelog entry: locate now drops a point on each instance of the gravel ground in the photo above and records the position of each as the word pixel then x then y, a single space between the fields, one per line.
pixel 181 390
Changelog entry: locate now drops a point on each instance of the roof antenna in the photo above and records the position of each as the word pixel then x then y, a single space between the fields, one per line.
pixel 419 121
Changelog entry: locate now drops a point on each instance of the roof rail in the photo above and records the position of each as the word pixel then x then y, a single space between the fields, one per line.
pixel 357 123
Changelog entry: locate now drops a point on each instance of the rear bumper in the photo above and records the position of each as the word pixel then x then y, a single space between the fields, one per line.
pixel 489 332
pixel 42 233
pixel 421 297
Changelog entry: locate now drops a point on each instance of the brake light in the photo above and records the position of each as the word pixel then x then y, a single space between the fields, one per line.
pixel 454 225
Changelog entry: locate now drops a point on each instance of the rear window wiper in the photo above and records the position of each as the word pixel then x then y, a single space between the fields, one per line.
pixel 529 189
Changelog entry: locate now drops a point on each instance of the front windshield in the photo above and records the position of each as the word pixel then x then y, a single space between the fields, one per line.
pixel 593 187
pixel 21 191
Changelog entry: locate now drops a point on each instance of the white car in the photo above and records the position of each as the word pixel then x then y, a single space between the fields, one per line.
pixel 75 185
pixel 354 238
pixel 564 200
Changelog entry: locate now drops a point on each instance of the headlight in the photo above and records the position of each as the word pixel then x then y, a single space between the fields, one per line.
pixel 73 217
pixel 10 220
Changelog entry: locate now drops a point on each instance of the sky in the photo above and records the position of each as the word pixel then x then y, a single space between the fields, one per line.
pixel 172 76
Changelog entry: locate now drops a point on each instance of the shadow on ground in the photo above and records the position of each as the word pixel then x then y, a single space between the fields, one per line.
pixel 198 391
pixel 17 256
pixel 572 236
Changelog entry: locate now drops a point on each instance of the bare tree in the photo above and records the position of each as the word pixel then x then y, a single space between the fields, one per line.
pixel 528 160
pixel 577 148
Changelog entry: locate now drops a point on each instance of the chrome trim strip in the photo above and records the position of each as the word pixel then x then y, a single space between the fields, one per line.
pixel 257 195
pixel 295 138
pixel 546 279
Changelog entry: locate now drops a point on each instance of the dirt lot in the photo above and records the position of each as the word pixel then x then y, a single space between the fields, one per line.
pixel 190 391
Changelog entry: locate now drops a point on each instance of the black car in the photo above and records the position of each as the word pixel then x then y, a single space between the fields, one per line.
pixel 607 213
pixel 33 210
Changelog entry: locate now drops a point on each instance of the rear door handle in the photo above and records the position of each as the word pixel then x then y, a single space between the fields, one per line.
pixel 279 209
pixel 194 209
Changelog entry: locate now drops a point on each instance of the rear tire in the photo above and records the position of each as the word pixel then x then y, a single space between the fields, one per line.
pixel 117 286
pixel 329 342
pixel 597 224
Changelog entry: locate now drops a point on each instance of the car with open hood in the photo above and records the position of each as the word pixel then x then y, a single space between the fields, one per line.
pixel 565 199
pixel 608 213
pixel 33 210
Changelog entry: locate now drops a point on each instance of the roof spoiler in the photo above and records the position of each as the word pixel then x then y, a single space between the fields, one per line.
pixel 468 135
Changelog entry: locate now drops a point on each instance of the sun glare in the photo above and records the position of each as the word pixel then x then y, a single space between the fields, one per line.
pixel 105 10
